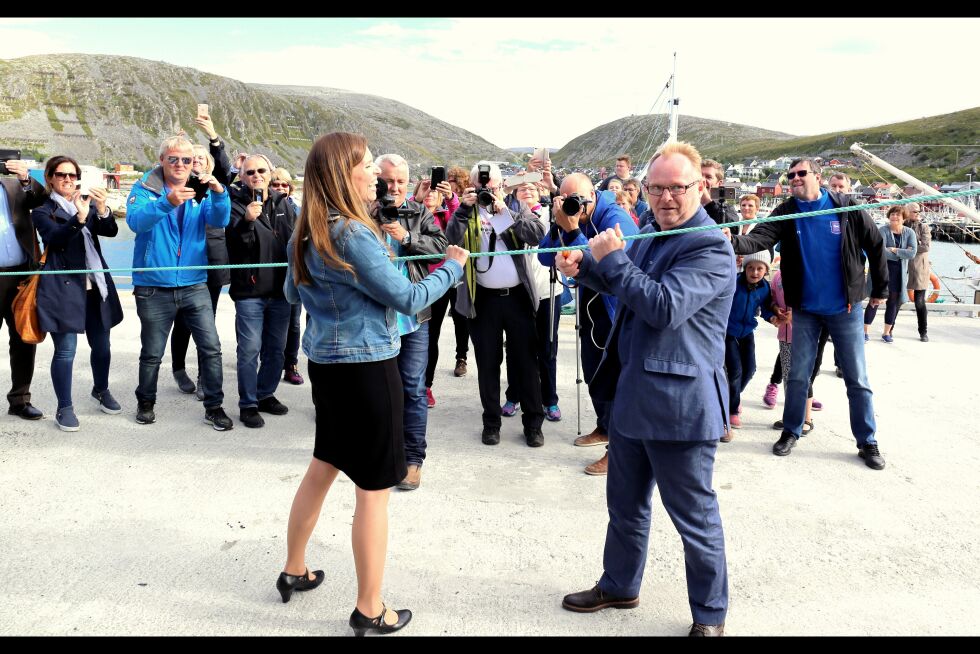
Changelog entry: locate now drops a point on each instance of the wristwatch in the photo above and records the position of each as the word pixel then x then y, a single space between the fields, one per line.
pixel 407 239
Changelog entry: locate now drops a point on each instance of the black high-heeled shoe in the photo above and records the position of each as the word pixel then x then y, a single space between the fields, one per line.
pixel 360 623
pixel 286 584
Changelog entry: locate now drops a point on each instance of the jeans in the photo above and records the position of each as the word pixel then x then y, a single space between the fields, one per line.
pixel 181 336
pixel 547 357
pixel 848 335
pixel 292 336
pixel 157 306
pixel 740 366
pixel 260 327
pixel 64 352
pixel 412 360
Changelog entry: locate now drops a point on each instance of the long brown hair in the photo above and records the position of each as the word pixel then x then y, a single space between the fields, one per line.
pixel 327 187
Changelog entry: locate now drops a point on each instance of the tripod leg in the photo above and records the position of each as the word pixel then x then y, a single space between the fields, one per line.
pixel 578 365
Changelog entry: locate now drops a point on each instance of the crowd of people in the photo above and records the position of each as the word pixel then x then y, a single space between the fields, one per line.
pixel 666 334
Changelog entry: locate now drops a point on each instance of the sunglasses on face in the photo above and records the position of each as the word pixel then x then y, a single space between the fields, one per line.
pixel 801 173
pixel 61 175
pixel 279 185
pixel 261 171
pixel 184 160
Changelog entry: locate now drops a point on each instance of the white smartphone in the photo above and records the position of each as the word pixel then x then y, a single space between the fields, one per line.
pixel 202 111
pixel 540 153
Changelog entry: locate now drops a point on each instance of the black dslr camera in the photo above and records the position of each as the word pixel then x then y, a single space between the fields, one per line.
pixel 387 211
pixel 483 195
pixel 573 204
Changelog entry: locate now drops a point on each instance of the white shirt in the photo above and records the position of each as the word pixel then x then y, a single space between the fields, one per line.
pixel 502 273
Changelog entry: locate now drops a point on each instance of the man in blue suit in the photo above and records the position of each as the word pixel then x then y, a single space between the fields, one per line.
pixel 665 356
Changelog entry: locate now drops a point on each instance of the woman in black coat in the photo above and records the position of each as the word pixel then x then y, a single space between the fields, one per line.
pixel 70 225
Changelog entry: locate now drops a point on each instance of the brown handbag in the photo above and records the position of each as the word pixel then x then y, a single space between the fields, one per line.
pixel 25 309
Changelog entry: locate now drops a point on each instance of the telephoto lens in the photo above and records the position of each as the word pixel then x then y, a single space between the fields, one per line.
pixel 572 205
pixel 485 197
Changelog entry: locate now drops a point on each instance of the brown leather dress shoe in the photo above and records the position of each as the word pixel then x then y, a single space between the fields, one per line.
pixel 600 467
pixel 727 438
pixel 699 630
pixel 460 369
pixel 592 600
pixel 412 479
pixel 595 438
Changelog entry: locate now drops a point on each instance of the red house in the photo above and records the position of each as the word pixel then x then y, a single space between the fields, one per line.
pixel 774 189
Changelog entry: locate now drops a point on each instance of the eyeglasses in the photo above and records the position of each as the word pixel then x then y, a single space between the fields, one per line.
pixel 676 190
pixel 187 161
pixel 61 175
pixel 801 173
pixel 279 185
pixel 261 171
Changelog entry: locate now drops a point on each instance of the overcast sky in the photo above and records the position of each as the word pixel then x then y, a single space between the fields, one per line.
pixel 544 81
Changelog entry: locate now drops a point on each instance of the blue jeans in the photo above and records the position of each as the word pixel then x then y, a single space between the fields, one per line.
pixel 412 360
pixel 740 366
pixel 847 331
pixel 157 307
pixel 260 327
pixel 64 352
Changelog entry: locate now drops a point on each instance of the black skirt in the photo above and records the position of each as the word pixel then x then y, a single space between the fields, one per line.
pixel 359 420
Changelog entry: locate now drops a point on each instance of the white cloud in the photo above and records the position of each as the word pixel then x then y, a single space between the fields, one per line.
pixel 18 42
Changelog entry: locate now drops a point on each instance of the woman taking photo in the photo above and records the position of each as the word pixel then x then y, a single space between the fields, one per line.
pixel 341 270
pixel 70 225
pixel 900 247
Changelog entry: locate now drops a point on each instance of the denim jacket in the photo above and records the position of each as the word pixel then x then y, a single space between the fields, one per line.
pixel 352 317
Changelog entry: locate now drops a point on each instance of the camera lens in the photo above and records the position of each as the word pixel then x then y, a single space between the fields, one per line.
pixel 571 205
pixel 485 198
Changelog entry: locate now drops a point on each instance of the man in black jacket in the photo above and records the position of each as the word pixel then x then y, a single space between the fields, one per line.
pixel 720 212
pixel 259 232
pixel 823 279
pixel 413 231
pixel 18 252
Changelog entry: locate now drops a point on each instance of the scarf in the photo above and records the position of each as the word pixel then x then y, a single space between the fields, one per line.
pixel 472 241
pixel 92 259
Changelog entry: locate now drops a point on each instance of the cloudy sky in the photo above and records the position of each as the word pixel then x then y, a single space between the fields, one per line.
pixel 544 81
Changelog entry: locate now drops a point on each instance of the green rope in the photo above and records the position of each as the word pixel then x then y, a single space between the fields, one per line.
pixel 566 248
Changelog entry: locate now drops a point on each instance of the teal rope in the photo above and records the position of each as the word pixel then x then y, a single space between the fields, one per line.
pixel 566 248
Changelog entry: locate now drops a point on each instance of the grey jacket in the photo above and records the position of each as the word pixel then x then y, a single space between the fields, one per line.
pixel 527 229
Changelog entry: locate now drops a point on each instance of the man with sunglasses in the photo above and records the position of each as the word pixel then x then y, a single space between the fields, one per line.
pixel 259 231
pixel 18 252
pixel 823 279
pixel 169 221
pixel 597 212
pixel 663 372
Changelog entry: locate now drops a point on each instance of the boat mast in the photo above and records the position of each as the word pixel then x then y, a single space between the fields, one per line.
pixel 922 186
pixel 674 101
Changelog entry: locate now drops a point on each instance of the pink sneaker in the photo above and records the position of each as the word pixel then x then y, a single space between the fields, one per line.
pixel 430 399
pixel 772 394
pixel 817 405
pixel 735 421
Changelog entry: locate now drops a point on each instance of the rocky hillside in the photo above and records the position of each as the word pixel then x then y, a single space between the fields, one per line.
pixel 640 136
pixel 107 109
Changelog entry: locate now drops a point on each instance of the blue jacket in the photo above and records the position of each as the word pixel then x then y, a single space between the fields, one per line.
pixel 605 216
pixel 664 364
pixel 61 301
pixel 741 320
pixel 352 316
pixel 158 243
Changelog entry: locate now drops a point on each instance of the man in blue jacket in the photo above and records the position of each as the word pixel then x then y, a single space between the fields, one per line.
pixel 597 213
pixel 169 224
pixel 663 369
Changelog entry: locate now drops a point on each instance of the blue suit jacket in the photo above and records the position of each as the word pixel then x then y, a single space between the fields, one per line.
pixel 670 385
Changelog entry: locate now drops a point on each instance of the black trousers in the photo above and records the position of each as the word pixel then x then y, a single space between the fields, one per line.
pixel 435 328
pixel 547 356
pixel 920 310
pixel 180 337
pixel 511 314
pixel 595 326
pixel 21 354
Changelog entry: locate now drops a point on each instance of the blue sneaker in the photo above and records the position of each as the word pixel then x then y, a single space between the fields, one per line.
pixel 106 402
pixel 552 413
pixel 887 338
pixel 66 420
pixel 866 338
pixel 509 409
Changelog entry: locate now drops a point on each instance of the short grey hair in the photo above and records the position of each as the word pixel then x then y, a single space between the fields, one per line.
pixel 495 174
pixel 395 160
pixel 260 156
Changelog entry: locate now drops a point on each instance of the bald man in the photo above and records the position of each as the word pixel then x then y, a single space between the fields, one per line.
pixel 597 212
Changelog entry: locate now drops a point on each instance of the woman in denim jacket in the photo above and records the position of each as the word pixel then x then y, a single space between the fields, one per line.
pixel 341 270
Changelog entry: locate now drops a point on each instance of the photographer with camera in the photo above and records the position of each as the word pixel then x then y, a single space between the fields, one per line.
pixel 714 199
pixel 579 214
pixel 409 229
pixel 260 227
pixel 18 252
pixel 623 164
pixel 499 296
